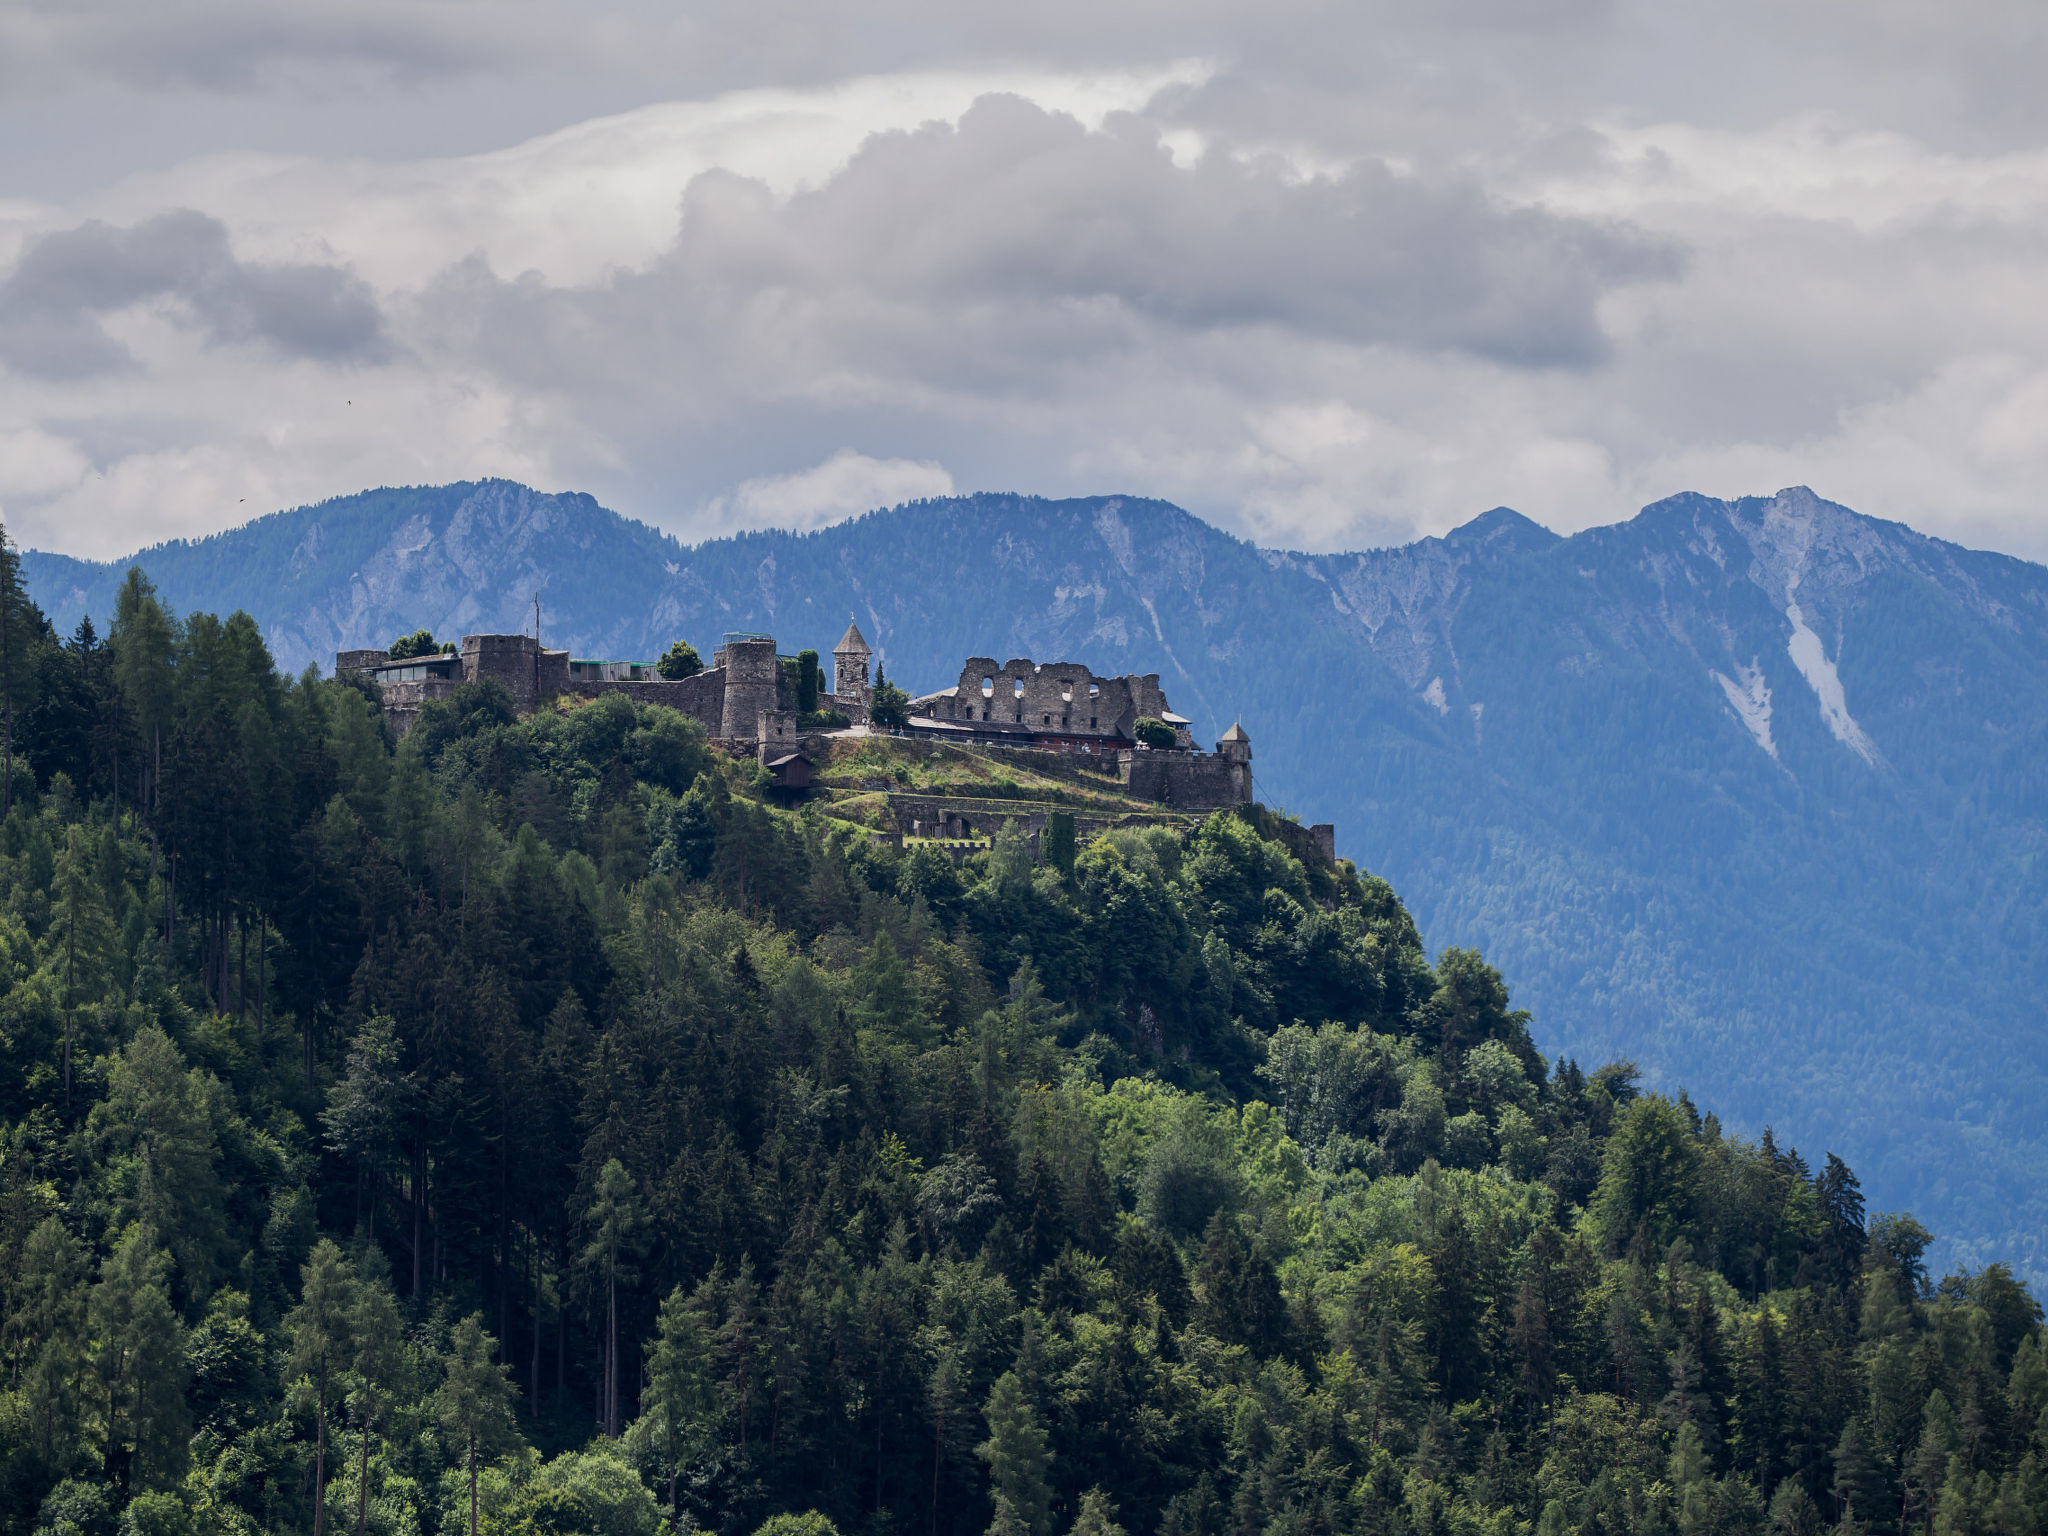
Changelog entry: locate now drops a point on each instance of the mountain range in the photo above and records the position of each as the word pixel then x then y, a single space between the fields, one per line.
pixel 1751 792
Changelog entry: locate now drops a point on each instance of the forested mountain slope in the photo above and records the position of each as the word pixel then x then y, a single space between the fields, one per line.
pixel 1751 792
pixel 529 1130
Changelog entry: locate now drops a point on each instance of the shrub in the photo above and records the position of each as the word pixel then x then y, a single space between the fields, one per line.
pixel 1156 734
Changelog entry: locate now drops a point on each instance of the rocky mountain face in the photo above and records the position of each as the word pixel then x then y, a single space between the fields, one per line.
pixel 1751 792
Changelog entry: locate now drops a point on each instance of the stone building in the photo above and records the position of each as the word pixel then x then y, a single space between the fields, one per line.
pixel 730 697
pixel 1060 704
pixel 851 690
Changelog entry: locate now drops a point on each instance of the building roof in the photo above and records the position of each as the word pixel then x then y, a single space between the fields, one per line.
pixel 1236 733
pixel 790 757
pixel 851 640
pixel 1172 719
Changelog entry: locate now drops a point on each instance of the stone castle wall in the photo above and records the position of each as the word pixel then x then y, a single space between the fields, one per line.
pixel 1187 781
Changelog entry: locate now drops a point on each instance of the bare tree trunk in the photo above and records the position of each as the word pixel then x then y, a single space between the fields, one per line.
pixel 535 1377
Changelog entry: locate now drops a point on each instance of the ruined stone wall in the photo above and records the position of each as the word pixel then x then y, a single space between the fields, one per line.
pixel 702 697
pixel 359 661
pixel 1187 781
pixel 402 701
pixel 1058 696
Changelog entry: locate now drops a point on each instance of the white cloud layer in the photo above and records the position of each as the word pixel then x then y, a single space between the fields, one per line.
pixel 1330 277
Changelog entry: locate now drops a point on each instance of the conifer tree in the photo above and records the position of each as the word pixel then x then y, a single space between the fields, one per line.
pixel 377 1370
pixel 320 1328
pixel 681 1392
pixel 139 1359
pixel 474 1403
pixel 613 1222
pixel 82 931
pixel 1017 1457
pixel 45 1337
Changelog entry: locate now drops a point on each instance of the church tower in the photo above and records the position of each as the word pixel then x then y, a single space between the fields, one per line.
pixel 850 667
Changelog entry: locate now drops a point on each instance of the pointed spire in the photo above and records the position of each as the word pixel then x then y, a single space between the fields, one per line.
pixel 1236 733
pixel 851 642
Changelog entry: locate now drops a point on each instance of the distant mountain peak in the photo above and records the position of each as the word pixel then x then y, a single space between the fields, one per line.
pixel 1502 528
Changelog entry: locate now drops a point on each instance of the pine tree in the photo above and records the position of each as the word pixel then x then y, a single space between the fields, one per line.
pixel 322 1347
pixel 1097 1516
pixel 84 943
pixel 377 1371
pixel 1018 1461
pixel 45 1337
pixel 139 1358
pixel 15 636
pixel 613 1222
pixel 681 1391
pixel 474 1403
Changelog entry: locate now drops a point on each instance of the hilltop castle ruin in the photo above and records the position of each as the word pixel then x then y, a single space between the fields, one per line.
pixel 746 700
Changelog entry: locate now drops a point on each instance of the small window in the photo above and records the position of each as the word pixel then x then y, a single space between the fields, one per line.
pixel 1091 722
pixel 988 687
pixel 1017 687
pixel 1067 694
pixel 1045 719
pixel 1095 690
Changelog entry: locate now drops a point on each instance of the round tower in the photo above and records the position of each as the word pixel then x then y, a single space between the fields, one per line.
pixel 751 675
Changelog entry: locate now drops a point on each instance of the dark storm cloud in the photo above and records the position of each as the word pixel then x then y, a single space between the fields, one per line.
pixel 52 304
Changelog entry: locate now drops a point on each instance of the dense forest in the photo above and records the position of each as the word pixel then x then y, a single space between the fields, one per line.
pixel 526 1128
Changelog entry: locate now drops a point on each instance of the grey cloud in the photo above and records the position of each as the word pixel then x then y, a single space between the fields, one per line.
pixel 1020 244
pixel 51 304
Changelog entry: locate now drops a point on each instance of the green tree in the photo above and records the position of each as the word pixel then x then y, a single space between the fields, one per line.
pixel 808 682
pixel 138 1356
pixel 420 642
pixel 679 661
pixel 474 1402
pixel 18 634
pixel 612 1221
pixel 681 1393
pixel 1097 1516
pixel 1649 1177
pixel 83 942
pixel 322 1347
pixel 888 705
pixel 1058 843
pixel 45 1337
pixel 1156 734
pixel 144 640
pixel 377 1374
pixel 809 1523
pixel 156 1126
pixel 1019 1462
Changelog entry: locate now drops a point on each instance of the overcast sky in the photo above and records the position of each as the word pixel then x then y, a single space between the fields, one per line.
pixel 1327 274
